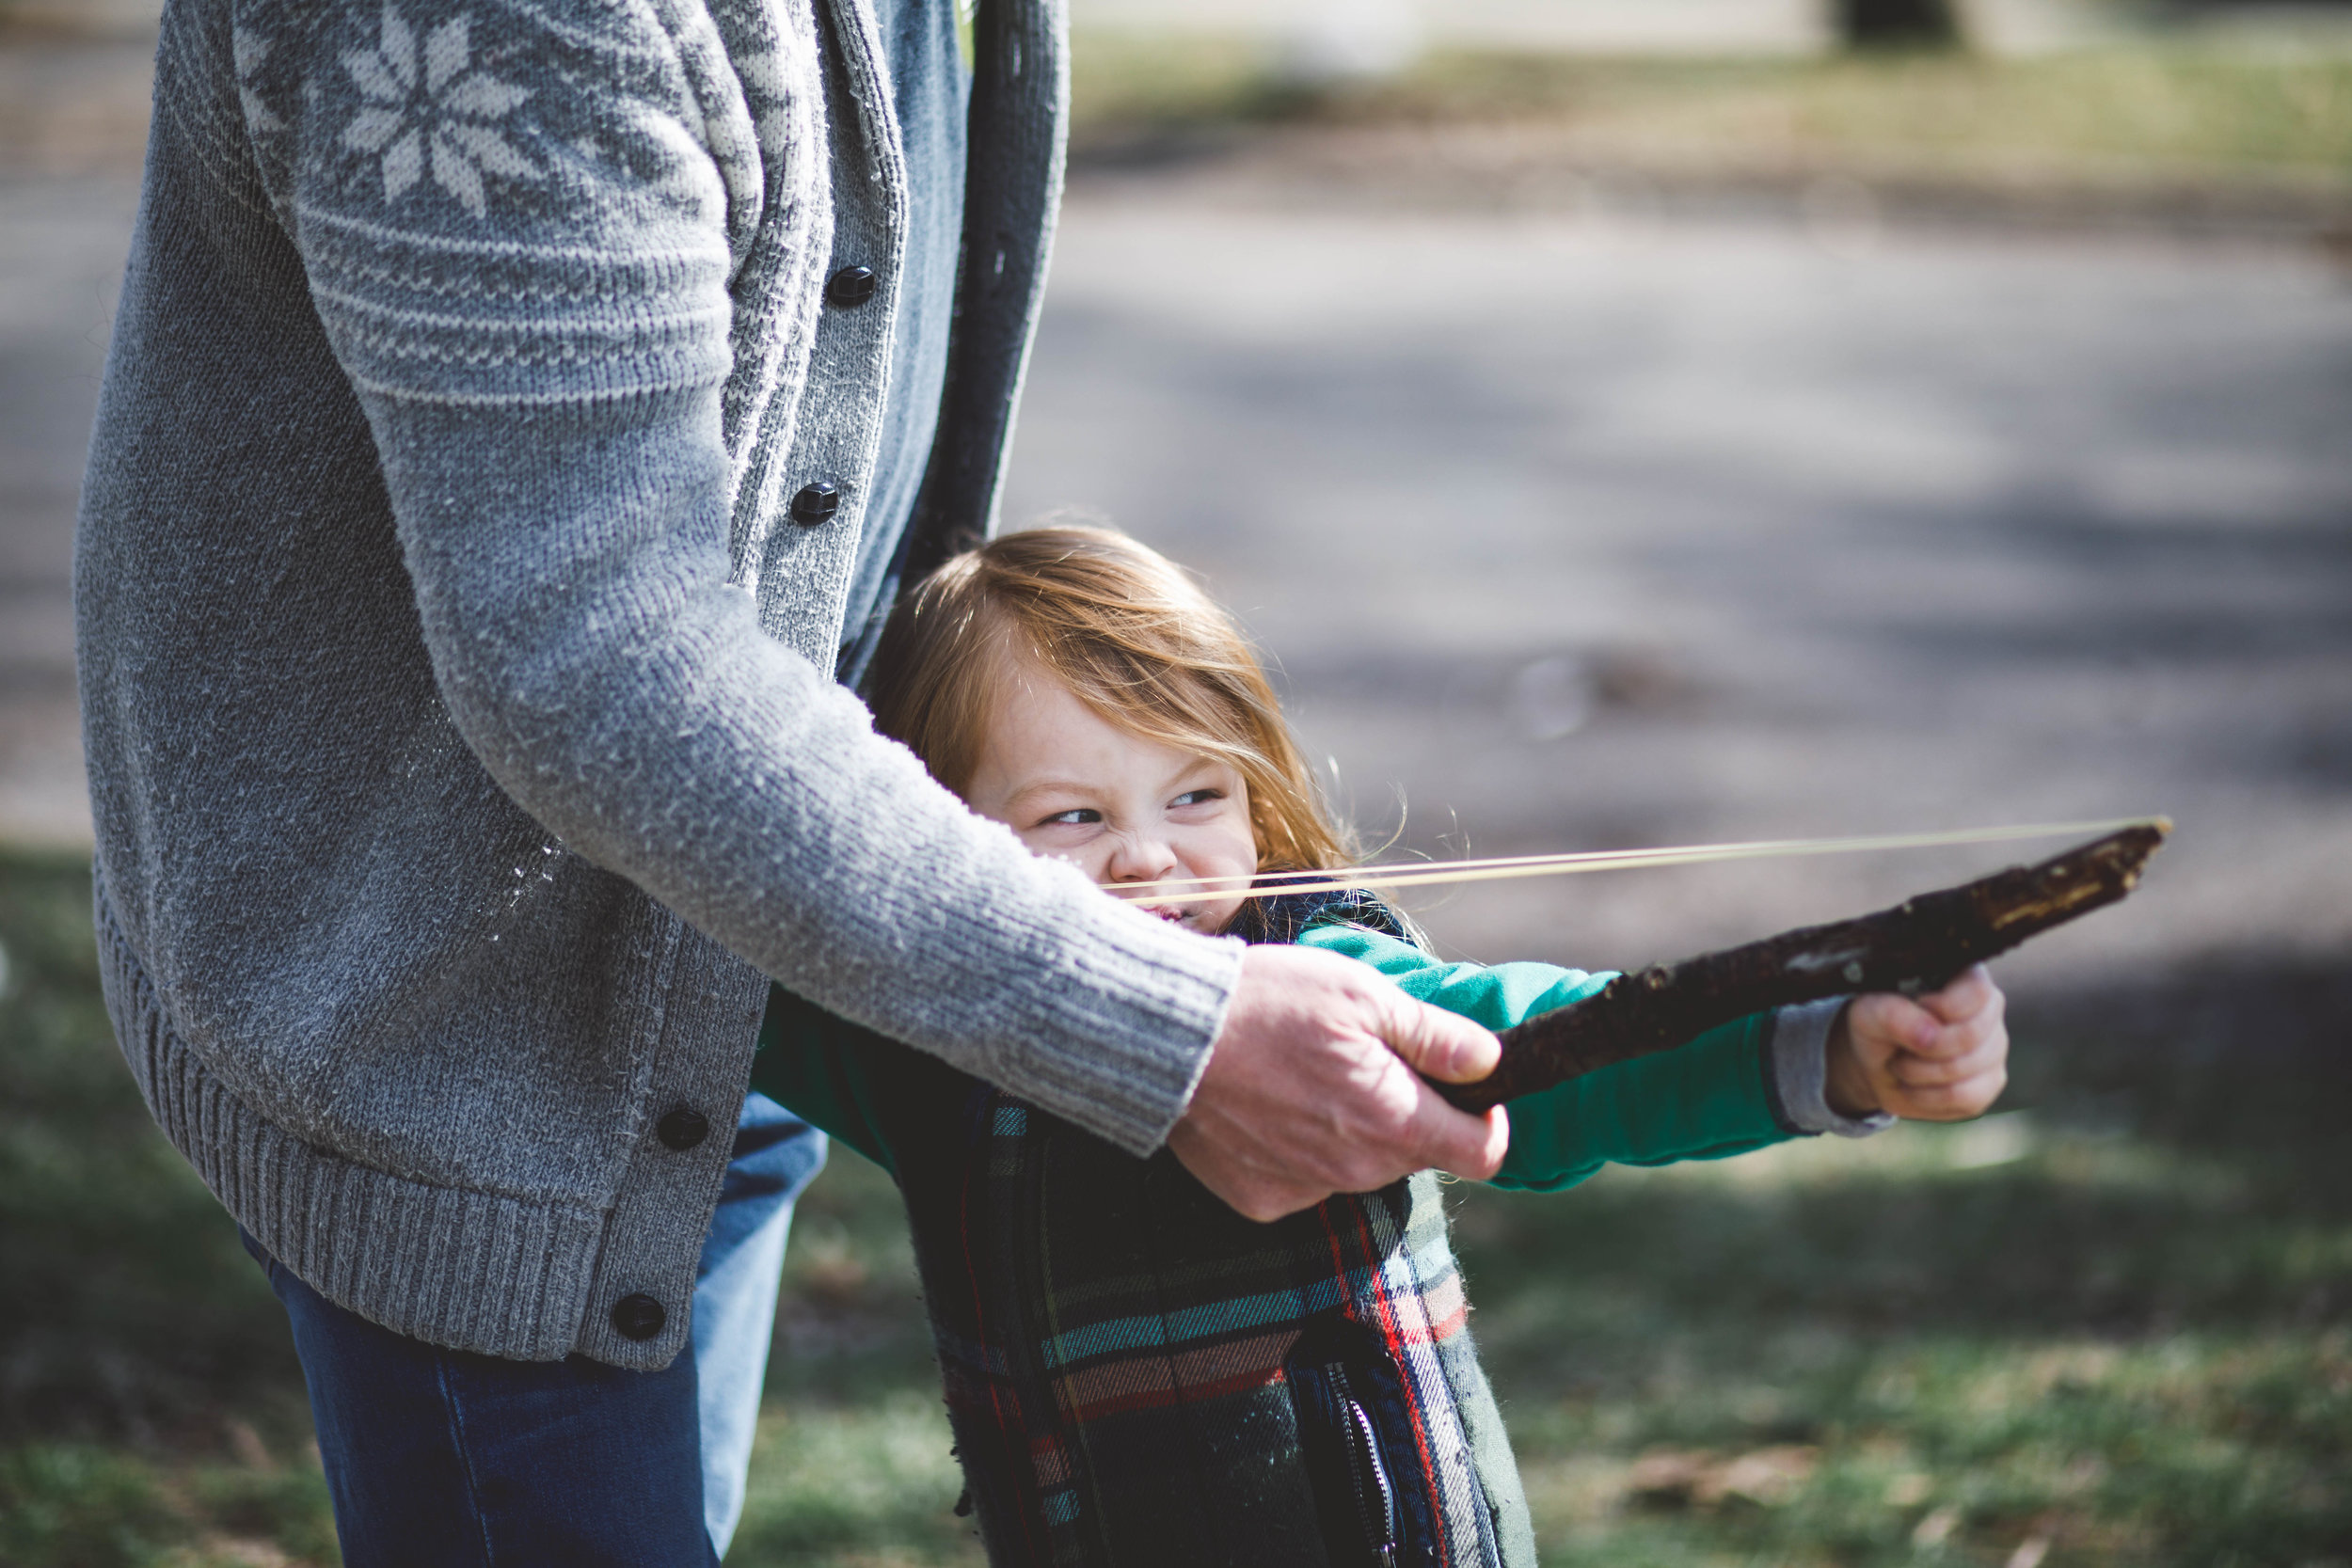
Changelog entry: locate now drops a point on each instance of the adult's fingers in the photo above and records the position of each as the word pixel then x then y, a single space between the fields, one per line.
pixel 1448 1139
pixel 1228 1156
pixel 1441 1045
pixel 1304 1095
pixel 1451 1049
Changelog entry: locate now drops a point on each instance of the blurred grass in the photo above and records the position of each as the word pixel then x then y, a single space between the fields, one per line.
pixel 150 1406
pixel 2115 1329
pixel 2166 109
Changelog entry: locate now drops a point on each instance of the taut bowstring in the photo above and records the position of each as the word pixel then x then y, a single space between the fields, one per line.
pixel 1268 884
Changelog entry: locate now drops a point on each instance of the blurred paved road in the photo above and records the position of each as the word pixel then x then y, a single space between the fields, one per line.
pixel 1364 29
pixel 1592 535
pixel 1361 29
pixel 61 249
pixel 1586 534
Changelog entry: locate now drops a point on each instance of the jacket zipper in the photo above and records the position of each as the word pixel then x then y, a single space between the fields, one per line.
pixel 1375 1498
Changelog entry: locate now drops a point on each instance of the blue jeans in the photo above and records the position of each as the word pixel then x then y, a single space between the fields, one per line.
pixel 776 1156
pixel 440 1457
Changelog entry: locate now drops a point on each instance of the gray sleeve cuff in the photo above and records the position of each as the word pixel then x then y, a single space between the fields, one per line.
pixel 1800 1071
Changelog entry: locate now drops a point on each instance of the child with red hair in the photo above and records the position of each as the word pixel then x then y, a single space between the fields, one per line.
pixel 1136 1374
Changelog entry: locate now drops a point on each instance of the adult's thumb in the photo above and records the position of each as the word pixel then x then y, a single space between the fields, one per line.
pixel 1441 1045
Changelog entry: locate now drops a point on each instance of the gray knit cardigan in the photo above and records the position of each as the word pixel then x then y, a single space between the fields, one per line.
pixel 455 679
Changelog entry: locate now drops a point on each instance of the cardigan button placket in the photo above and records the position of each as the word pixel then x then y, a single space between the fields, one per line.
pixel 637 1316
pixel 853 286
pixel 681 1128
pixel 815 504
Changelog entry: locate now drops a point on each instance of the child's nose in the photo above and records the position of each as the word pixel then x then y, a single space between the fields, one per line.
pixel 1141 858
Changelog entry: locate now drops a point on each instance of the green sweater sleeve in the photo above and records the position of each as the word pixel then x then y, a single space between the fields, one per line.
pixel 819 1068
pixel 1703 1101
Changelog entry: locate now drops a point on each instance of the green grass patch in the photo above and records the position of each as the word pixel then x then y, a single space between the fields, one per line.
pixel 152 1410
pixel 2115 1329
pixel 127 1308
pixel 865 1485
pixel 2159 111
pixel 92 1506
pixel 1951 1342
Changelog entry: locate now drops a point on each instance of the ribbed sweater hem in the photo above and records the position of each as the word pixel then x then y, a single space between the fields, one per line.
pixel 469 1271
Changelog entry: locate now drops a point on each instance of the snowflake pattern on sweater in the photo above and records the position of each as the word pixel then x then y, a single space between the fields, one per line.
pixel 428 108
pixel 481 190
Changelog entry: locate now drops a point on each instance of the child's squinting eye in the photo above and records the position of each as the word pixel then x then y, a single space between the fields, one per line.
pixel 1077 816
pixel 1198 797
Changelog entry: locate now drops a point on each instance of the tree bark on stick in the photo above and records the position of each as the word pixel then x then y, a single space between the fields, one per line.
pixel 1916 946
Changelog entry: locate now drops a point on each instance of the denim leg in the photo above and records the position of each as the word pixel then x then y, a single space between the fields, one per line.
pixel 776 1156
pixel 442 1457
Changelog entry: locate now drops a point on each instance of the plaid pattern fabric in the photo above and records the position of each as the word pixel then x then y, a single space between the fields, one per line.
pixel 1121 1351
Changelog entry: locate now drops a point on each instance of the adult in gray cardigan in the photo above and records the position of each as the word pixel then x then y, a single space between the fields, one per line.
pixel 519 416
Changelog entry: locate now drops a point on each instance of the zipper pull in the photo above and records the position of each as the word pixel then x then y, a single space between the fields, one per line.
pixel 1375 1494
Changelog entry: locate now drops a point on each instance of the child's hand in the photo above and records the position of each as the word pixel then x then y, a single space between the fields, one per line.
pixel 1943 1057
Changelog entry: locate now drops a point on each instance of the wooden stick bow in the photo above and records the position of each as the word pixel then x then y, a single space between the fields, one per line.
pixel 1916 946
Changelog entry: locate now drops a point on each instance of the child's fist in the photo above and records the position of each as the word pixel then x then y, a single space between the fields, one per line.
pixel 1943 1057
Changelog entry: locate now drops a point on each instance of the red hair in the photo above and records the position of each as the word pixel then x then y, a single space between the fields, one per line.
pixel 1132 635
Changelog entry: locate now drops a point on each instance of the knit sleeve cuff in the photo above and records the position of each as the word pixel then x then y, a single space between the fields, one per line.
pixel 1120 1028
pixel 1799 1073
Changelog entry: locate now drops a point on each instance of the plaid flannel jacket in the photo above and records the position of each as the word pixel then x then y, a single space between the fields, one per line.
pixel 1136 1375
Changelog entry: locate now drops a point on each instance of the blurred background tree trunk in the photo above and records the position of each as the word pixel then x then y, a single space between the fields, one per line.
pixel 1898 23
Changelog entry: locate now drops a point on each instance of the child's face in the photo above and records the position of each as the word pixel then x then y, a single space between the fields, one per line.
pixel 1120 808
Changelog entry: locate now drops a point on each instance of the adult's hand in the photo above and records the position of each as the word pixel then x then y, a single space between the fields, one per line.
pixel 1314 1087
